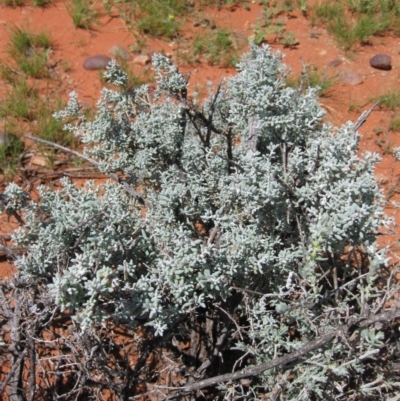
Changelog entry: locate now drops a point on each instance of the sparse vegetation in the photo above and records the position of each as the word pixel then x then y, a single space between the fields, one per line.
pixel 215 47
pixel 354 107
pixel 30 51
pixel 356 22
pixel 242 226
pixel 82 13
pixel 134 79
pixel 14 3
pixel 41 3
pixel 311 77
pixel 157 18
pixel 10 155
pixel 395 123
pixel 271 28
pixel 21 102
pixel 49 128
pixel 289 40
pixel 303 6
pixel 390 100
pixel 24 110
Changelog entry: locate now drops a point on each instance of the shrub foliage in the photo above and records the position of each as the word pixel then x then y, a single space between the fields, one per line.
pixel 243 224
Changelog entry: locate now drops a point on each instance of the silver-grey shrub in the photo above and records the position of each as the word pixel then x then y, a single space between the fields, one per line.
pixel 249 203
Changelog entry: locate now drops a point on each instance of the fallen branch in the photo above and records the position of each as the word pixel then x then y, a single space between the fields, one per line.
pixel 131 191
pixel 284 360
pixel 363 117
pixel 14 367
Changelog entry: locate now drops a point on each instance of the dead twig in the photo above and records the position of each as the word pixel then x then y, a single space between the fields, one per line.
pixel 131 191
pixel 279 386
pixel 363 117
pixel 319 342
pixel 16 364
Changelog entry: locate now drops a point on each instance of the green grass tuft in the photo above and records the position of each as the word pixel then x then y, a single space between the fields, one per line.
pixel 21 102
pixel 389 100
pixel 51 129
pixel 14 3
pixel 216 47
pixel 311 77
pixel 395 124
pixel 10 156
pixel 30 51
pixel 354 22
pixel 82 13
pixel 157 18
pixel 41 3
pixel 159 25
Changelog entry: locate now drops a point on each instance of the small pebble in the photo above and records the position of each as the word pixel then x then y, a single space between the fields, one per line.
pixel 351 77
pixel 381 62
pixel 97 62
pixel 141 60
pixel 120 52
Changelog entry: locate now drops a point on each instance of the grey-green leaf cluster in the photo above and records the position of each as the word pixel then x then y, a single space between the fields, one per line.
pixel 248 191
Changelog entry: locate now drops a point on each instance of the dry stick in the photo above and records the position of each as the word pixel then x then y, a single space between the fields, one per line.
pixel 220 342
pixel 253 134
pixel 279 386
pixel 17 356
pixel 231 319
pixel 311 346
pixel 14 367
pixel 387 145
pixel 131 191
pixel 8 251
pixel 32 366
pixel 389 193
pixel 363 117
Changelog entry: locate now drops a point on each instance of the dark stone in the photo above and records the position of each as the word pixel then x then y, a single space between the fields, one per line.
pixel 97 62
pixel 381 62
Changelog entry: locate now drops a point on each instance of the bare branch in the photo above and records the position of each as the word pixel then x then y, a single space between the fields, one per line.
pixel 319 342
pixel 253 134
pixel 363 118
pixel 131 191
pixel 16 365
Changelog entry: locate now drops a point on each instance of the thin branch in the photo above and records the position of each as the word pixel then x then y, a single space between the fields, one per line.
pixel 279 386
pixel 11 373
pixel 231 319
pixel 229 151
pixel 211 115
pixel 252 139
pixel 220 342
pixel 63 148
pixel 363 117
pixel 32 365
pixel 319 342
pixel 131 191
pixel 233 163
pixel 8 251
pixel 214 232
